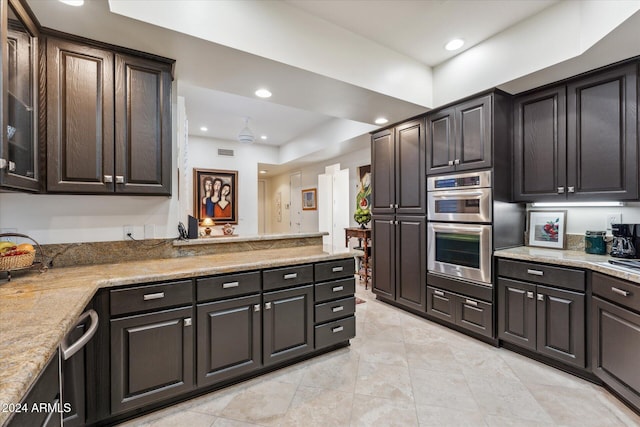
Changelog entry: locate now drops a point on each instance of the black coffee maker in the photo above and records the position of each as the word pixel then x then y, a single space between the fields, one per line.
pixel 626 238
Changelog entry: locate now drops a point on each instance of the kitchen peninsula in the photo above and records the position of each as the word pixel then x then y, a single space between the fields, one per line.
pixel 38 310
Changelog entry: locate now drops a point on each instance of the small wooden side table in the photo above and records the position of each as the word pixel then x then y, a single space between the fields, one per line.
pixel 364 237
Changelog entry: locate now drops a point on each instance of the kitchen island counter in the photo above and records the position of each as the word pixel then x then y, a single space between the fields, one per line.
pixel 38 309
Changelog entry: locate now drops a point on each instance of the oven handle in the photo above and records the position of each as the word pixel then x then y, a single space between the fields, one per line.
pixel 458 194
pixel 459 229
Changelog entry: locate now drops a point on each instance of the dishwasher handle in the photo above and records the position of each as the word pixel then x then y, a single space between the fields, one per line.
pixel 69 349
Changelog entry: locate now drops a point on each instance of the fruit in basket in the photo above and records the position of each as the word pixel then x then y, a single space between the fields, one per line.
pixel 27 247
pixel 6 245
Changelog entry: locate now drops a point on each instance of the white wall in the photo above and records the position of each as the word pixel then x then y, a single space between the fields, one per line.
pixel 582 219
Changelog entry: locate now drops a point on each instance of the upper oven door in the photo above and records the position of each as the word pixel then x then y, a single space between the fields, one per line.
pixel 460 250
pixel 460 205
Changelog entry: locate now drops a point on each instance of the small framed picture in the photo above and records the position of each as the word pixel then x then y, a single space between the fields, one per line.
pixel 309 199
pixel 547 229
pixel 215 195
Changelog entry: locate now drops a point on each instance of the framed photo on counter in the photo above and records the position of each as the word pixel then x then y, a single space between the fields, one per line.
pixel 215 195
pixel 547 229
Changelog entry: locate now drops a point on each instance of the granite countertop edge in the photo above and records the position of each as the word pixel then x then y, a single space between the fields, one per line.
pixel 38 310
pixel 569 258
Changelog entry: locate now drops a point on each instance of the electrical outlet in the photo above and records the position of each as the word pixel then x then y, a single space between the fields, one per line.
pixel 149 231
pixel 127 232
pixel 613 218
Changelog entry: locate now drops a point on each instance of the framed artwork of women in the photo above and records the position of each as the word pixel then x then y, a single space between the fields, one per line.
pixel 215 195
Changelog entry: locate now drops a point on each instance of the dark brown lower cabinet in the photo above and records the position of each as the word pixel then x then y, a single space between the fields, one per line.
pixel 548 320
pixel 288 324
pixel 229 339
pixel 151 358
pixel 468 313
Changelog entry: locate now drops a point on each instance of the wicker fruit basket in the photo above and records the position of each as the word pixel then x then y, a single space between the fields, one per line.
pixel 22 261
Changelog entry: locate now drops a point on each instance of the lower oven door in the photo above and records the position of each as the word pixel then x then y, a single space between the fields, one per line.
pixel 460 250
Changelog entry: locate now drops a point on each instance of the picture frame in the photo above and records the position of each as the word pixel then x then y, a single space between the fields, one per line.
pixel 309 199
pixel 215 195
pixel 547 229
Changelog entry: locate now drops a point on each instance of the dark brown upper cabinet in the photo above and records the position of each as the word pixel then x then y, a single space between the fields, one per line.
pixel 460 137
pixel 108 121
pixel 19 37
pixel 578 141
pixel 398 169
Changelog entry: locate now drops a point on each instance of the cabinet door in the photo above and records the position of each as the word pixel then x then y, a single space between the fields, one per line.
pixel 561 325
pixel 517 312
pixel 615 348
pixel 143 126
pixel 80 118
pixel 229 339
pixel 539 170
pixel 383 172
pixel 440 142
pixel 151 358
pixel 288 324
pixel 383 253
pixel 473 134
pixel 602 136
pixel 411 193
pixel 411 261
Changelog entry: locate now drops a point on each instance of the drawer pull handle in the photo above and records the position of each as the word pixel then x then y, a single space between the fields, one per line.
pixel 338 329
pixel 230 285
pixel 338 288
pixel 620 291
pixel 439 293
pixel 337 309
pixel 149 297
pixel 290 276
pixel 535 272
pixel 471 303
pixel 337 269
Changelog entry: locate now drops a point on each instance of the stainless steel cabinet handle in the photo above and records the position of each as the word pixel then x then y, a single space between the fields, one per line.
pixel 107 178
pixel 540 297
pixel 338 288
pixel 290 276
pixel 571 189
pixel 119 179
pixel 439 293
pixel 530 295
pixel 535 272
pixel 256 307
pixel 337 309
pixel 391 222
pixel 456 162
pixel 470 302
pixel 391 206
pixel 187 321
pixel 149 297
pixel 450 163
pixel 267 306
pixel 68 349
pixel 230 285
pixel 560 190
pixel 395 206
pixel 12 166
pixel 338 329
pixel 620 291
pixel 337 269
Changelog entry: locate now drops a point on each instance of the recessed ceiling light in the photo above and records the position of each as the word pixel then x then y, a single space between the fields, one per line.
pixel 73 2
pixel 263 171
pixel 381 121
pixel 263 137
pixel 203 128
pixel 263 93
pixel 454 44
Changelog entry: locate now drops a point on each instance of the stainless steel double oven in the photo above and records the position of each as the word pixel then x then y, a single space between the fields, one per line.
pixel 459 233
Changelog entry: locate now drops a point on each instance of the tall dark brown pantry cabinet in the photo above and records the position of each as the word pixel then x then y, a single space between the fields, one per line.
pixel 399 222
pixel 108 121
pixel 566 136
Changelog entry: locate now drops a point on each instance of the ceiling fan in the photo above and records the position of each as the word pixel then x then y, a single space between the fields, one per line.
pixel 246 136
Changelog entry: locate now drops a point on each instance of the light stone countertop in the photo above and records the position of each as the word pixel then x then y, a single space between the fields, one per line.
pixel 38 309
pixel 217 239
pixel 580 259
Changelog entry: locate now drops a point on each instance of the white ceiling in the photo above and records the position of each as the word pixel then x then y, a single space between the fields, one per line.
pixel 327 62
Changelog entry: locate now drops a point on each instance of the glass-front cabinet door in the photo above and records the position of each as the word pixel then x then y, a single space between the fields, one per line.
pixel 19 140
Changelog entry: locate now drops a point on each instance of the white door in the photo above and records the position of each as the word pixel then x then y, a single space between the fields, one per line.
pixel 295 202
pixel 340 207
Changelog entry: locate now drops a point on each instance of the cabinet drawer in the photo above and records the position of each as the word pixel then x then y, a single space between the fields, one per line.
pixel 620 291
pixel 475 315
pixel 217 287
pixel 335 332
pixel 567 278
pixel 440 304
pixel 336 289
pixel 150 297
pixel 286 277
pixel 334 269
pixel 335 309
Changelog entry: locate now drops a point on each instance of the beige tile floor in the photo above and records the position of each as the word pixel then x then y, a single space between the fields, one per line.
pixel 402 370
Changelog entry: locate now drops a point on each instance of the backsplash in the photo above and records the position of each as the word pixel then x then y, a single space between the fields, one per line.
pixel 574 242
